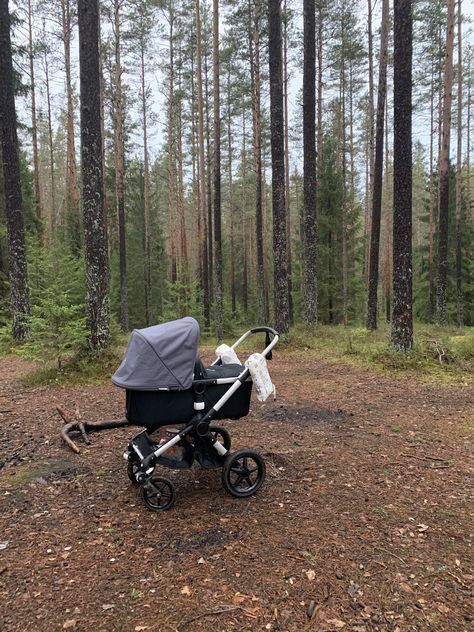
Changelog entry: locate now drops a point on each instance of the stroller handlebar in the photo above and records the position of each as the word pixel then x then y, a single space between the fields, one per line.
pixel 264 329
pixel 269 331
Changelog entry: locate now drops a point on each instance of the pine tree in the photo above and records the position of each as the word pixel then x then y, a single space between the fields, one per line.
pixel 402 322
pixel 20 303
pixel 310 298
pixel 281 299
pixel 97 273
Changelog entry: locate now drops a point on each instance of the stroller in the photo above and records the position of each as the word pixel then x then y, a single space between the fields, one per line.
pixel 167 385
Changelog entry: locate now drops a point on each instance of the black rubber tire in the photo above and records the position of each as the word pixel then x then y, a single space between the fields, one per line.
pixel 222 435
pixel 133 466
pixel 243 473
pixel 158 493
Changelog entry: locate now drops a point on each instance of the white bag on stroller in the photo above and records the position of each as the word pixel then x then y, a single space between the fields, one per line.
pixel 257 365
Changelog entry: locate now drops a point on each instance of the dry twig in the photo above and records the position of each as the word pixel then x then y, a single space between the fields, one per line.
pixel 72 424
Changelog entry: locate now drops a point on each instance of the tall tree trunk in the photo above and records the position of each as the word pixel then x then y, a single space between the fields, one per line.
pixel 17 265
pixel 388 227
pixel 52 211
pixel 468 149
pixel 97 272
pixel 431 218
pixel 210 221
pixel 233 295
pixel 218 290
pixel 254 50
pixel 319 131
pixel 34 125
pixel 310 297
pixel 444 167
pixel 287 161
pixel 119 168
pixel 172 192
pixel 280 289
pixel 378 174
pixel 402 322
pixel 72 187
pixel 459 289
pixel 146 187
pixel 370 162
pixel 245 283
pixel 202 169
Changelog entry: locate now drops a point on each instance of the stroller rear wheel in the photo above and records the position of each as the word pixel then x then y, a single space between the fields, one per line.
pixel 221 435
pixel 243 473
pixel 158 493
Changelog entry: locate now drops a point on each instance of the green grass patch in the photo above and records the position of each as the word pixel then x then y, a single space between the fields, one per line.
pixel 84 368
pixel 440 354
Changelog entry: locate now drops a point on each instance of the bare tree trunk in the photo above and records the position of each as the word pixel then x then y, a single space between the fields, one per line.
pixel 210 222
pixel 378 174
pixel 202 168
pixel 402 324
pixel 254 49
pixel 146 189
pixel 231 200
pixel 319 131
pixel 72 187
pixel 17 265
pixel 172 193
pixel 52 212
pixel 119 168
pixel 218 291
pixel 310 297
pixel 444 164
pixel 388 227
pixel 183 263
pixel 280 289
pixel 34 125
pixel 245 284
pixel 431 222
pixel 370 162
pixel 97 272
pixel 287 161
pixel 459 288
pixel 468 151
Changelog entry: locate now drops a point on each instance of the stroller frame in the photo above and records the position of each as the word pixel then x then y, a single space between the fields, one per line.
pixel 243 471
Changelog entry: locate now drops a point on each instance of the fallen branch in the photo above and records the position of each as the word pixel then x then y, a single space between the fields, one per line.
pixel 77 424
pixel 210 613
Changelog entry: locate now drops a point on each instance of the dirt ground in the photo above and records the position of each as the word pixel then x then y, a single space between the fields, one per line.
pixel 364 522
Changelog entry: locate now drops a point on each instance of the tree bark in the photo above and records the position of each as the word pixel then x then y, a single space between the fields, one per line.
pixel 254 53
pixel 97 273
pixel 72 187
pixel 444 167
pixel 459 285
pixel 146 184
pixel 369 189
pixel 287 161
pixel 402 322
pixel 378 174
pixel 280 289
pixel 119 168
pixel 18 274
pixel 34 125
pixel 218 288
pixel 202 168
pixel 310 297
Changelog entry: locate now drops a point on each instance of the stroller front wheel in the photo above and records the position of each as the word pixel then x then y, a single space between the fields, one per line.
pixel 158 493
pixel 243 473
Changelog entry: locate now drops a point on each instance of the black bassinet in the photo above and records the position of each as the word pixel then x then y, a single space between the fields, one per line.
pixel 164 381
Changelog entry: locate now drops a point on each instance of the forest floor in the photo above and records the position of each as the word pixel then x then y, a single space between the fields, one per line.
pixel 364 522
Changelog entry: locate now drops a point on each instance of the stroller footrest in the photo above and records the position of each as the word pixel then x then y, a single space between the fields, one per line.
pixel 143 445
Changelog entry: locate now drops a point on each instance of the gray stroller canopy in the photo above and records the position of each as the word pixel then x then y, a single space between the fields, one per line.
pixel 160 357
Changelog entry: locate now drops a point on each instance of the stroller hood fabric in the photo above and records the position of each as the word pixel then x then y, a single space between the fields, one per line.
pixel 160 357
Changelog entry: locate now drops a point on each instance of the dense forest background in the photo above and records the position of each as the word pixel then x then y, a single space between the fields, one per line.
pixel 187 131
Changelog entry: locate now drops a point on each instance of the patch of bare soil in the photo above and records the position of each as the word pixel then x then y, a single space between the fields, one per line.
pixel 364 522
